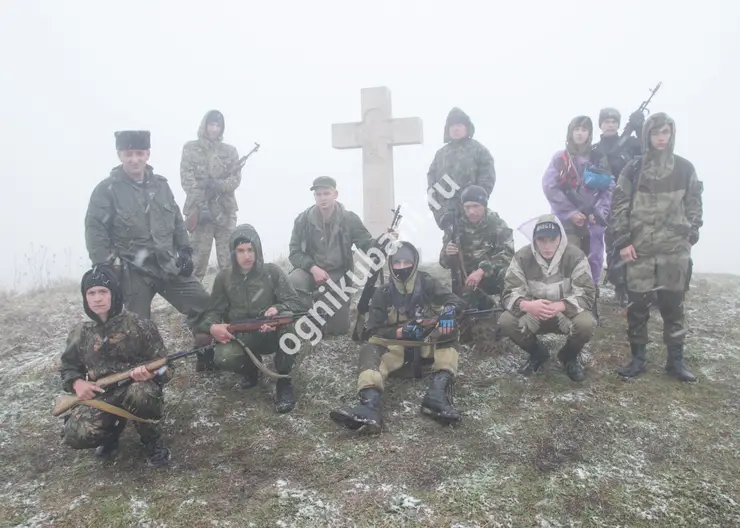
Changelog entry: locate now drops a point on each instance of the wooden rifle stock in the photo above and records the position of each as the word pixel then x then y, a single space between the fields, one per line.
pixel 253 325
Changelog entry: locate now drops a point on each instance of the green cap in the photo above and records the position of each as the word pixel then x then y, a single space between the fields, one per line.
pixel 324 181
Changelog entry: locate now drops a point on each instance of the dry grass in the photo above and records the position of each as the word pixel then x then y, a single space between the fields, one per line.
pixel 530 452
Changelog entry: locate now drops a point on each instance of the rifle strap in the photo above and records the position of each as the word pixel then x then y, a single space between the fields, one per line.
pixel 112 409
pixel 375 340
pixel 258 363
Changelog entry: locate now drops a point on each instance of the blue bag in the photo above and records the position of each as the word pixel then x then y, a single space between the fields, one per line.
pixel 597 179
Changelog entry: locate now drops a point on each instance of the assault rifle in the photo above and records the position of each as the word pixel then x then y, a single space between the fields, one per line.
pixel 191 222
pixel 363 305
pixel 67 402
pixel 580 204
pixel 629 127
pixel 450 222
pixel 253 325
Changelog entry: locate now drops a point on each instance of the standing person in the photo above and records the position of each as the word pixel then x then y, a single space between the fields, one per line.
pixel 321 249
pixel 579 198
pixel 210 173
pixel 612 153
pixel 657 214
pixel 134 226
pixel 114 340
pixel 464 160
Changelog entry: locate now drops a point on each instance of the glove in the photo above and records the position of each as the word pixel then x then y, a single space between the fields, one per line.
pixel 637 120
pixel 185 261
pixel 447 319
pixel 412 331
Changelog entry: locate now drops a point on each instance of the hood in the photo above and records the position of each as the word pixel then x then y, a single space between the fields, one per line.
pixel 570 144
pixel 202 127
pixel 658 121
pixel 527 229
pixel 102 276
pixel 458 116
pixel 407 287
pixel 249 232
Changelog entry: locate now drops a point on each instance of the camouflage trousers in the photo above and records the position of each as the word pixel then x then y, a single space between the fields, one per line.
pixel 579 329
pixel 378 361
pixel 202 240
pixel 337 320
pixel 480 298
pixel 87 427
pixel 671 308
pixel 232 358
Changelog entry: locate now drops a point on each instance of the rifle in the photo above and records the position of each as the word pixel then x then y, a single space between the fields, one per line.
pixel 581 205
pixel 191 222
pixel 363 305
pixel 629 128
pixel 451 224
pixel 67 402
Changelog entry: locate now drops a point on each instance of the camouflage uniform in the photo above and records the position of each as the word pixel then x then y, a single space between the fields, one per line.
pixel 239 295
pixel 487 245
pixel 140 223
pixel 566 277
pixel 95 350
pixel 395 303
pixel 657 208
pixel 328 246
pixel 465 161
pixel 209 175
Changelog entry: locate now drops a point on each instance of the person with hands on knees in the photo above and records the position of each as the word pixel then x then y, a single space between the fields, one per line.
pixel 251 289
pixel 398 338
pixel 549 289
pixel 113 341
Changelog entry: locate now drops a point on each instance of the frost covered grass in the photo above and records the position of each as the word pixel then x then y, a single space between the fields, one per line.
pixel 530 452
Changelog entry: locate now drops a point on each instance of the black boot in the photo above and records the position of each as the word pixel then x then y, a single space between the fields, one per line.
pixel 203 360
pixel 569 357
pixel 365 417
pixel 157 454
pixel 252 375
pixel 638 363
pixel 675 366
pixel 284 397
pixel 109 449
pixel 538 356
pixel 438 401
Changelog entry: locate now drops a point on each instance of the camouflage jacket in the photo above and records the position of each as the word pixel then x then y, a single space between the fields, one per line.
pixel 205 161
pixel 237 295
pixel 96 350
pixel 567 277
pixel 139 222
pixel 488 245
pixel 466 162
pixel 311 245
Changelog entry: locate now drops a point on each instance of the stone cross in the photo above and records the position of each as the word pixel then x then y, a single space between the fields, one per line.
pixel 376 135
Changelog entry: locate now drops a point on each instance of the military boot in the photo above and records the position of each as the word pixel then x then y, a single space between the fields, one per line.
pixel 204 360
pixel 538 356
pixel 109 449
pixel 364 417
pixel 569 357
pixel 674 364
pixel 438 401
pixel 157 454
pixel 284 397
pixel 638 363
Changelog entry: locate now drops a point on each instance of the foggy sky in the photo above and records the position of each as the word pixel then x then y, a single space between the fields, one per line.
pixel 74 72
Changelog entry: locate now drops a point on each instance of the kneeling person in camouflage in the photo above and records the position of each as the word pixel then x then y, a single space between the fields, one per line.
pixel 251 289
pixel 114 341
pixel 407 297
pixel 549 289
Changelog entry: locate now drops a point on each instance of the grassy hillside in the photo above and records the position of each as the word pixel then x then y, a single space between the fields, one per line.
pixel 530 452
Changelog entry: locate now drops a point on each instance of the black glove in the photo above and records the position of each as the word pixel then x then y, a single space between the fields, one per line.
pixel 185 261
pixel 447 319
pixel 637 120
pixel 412 331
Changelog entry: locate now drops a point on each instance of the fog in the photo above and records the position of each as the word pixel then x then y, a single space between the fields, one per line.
pixel 282 73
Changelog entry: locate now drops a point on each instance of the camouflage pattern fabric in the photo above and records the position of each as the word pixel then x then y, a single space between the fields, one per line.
pixel 661 216
pixel 231 356
pixel 579 329
pixel 671 306
pixel 336 323
pixel 202 238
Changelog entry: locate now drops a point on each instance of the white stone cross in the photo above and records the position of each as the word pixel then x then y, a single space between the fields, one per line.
pixel 377 134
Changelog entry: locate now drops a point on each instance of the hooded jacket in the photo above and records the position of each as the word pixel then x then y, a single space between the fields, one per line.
pixel 238 295
pixel 139 222
pixel 397 301
pixel 96 349
pixel 465 161
pixel 203 160
pixel 566 277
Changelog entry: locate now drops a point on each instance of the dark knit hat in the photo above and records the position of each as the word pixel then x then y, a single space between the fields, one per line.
pixel 475 193
pixel 547 229
pixel 133 140
pixel 609 113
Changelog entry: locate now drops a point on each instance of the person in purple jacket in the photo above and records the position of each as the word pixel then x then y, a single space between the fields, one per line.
pixel 580 196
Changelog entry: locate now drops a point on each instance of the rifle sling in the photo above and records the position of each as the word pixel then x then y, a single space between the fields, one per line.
pixel 258 363
pixel 112 409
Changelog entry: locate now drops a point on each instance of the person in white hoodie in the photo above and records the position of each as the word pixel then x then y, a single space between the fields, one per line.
pixel 548 288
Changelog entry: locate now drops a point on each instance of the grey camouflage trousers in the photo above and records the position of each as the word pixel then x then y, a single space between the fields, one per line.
pixel 202 240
